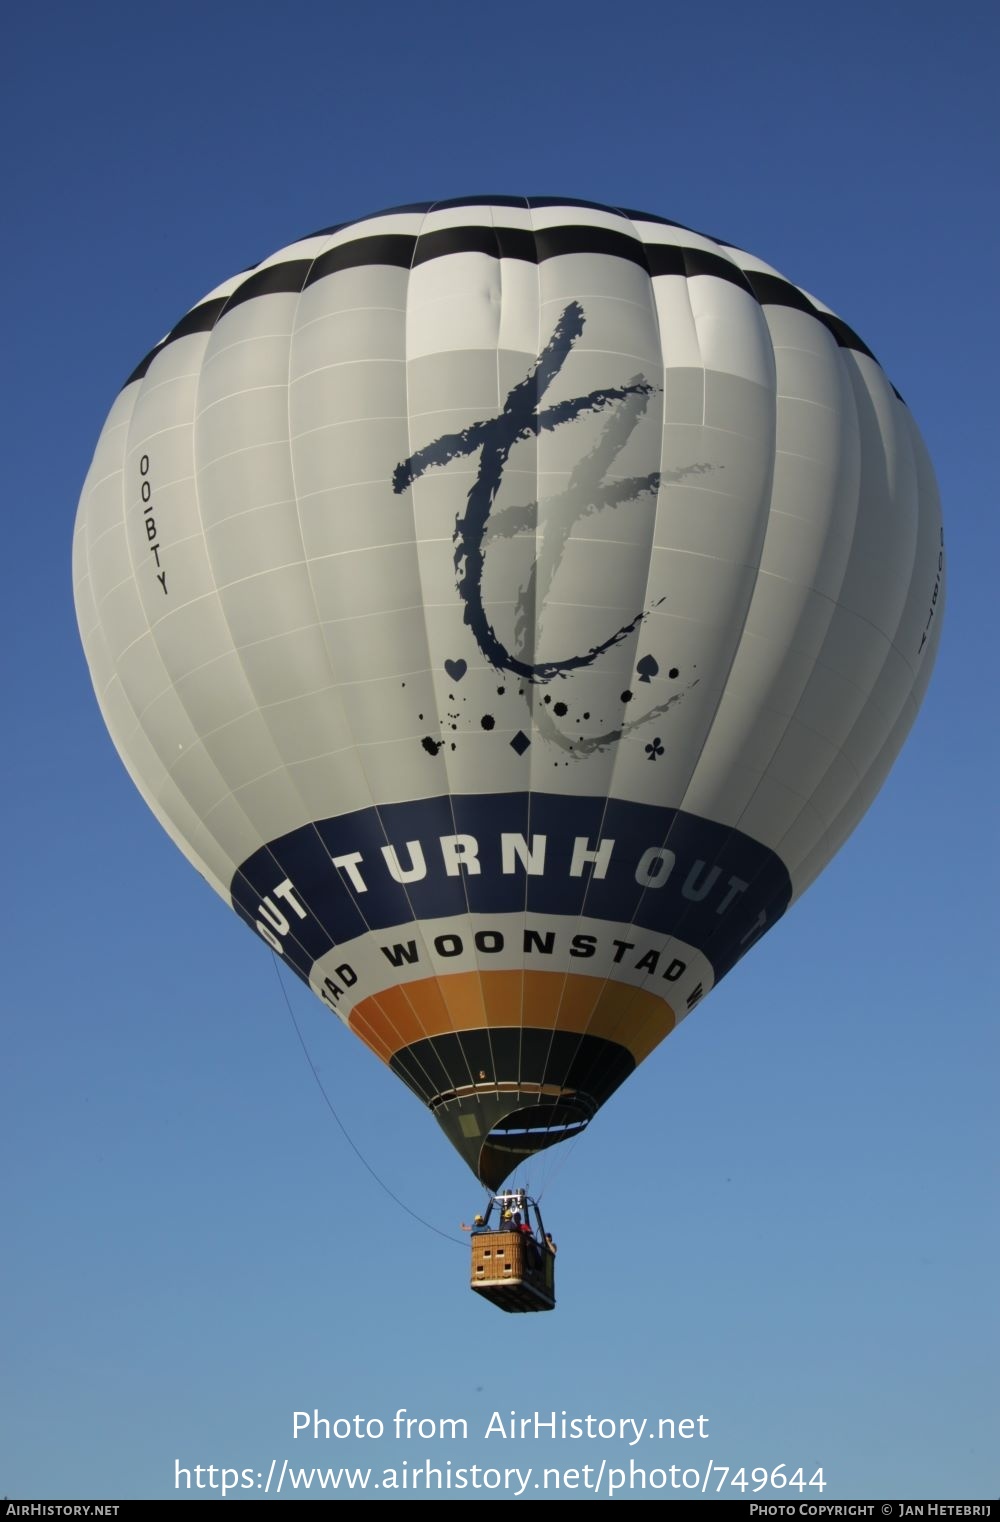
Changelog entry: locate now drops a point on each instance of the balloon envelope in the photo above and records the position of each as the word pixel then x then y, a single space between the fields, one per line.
pixel 509 606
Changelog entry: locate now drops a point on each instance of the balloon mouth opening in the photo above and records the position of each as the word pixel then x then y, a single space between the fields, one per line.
pixel 521 1133
pixel 546 1124
pixel 497 1128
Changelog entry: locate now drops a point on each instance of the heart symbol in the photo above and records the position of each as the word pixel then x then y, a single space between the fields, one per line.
pixel 456 669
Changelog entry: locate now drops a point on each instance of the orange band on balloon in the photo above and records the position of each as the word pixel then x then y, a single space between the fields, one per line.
pixel 635 1018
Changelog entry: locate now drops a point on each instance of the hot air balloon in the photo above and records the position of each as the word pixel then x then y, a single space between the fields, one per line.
pixel 509 606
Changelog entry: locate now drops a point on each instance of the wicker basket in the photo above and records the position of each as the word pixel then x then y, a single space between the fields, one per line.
pixel 503 1271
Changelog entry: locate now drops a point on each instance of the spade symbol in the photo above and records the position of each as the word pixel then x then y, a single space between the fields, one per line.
pixel 647 668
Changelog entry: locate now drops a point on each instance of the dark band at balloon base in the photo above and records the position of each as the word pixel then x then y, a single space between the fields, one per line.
pixel 512 1062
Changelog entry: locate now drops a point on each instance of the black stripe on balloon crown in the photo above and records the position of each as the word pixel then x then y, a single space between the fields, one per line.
pixel 407 250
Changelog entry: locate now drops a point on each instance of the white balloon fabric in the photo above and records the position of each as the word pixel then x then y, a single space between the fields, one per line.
pixel 509 606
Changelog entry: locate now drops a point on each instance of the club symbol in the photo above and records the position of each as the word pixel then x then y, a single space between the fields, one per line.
pixel 654 748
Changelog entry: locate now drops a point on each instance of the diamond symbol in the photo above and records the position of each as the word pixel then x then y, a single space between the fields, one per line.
pixel 520 742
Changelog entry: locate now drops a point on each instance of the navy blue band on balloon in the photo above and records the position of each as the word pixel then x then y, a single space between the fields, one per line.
pixel 668 872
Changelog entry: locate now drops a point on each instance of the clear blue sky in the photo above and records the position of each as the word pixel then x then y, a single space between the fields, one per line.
pixel 787 1220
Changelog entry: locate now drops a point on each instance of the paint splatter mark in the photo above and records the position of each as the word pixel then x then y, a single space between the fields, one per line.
pixel 431 746
pixel 560 709
pixel 626 696
pixel 589 490
pixel 673 672
pixel 487 721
